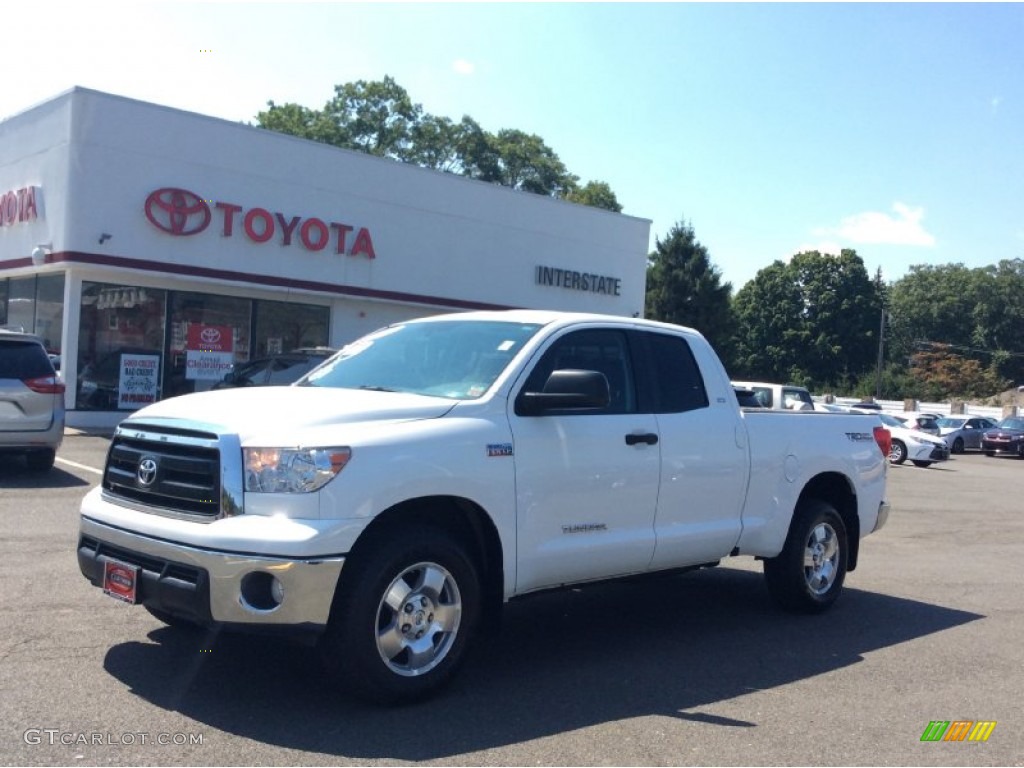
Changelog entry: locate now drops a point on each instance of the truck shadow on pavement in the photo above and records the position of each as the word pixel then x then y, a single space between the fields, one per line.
pixel 562 661
pixel 14 474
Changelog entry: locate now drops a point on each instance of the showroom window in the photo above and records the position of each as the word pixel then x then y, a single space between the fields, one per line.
pixel 120 346
pixel 35 305
pixel 282 327
pixel 208 335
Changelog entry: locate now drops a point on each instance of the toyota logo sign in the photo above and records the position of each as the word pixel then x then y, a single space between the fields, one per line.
pixel 209 335
pixel 147 471
pixel 177 211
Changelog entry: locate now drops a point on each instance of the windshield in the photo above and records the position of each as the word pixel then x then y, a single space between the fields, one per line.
pixel 950 422
pixel 891 421
pixel 1011 423
pixel 458 359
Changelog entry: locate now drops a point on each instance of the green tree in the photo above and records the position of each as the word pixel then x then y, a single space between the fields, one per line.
pixel 812 321
pixel 685 288
pixel 596 194
pixel 977 313
pixel 376 117
pixel 380 118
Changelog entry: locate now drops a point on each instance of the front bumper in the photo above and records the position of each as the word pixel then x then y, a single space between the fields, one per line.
pixel 930 452
pixel 207 586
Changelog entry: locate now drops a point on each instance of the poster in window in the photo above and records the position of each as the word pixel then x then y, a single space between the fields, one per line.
pixel 138 380
pixel 209 352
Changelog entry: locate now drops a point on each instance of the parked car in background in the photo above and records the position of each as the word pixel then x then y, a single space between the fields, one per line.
pixel 922 449
pixel 962 432
pixel 1006 437
pixel 275 370
pixel 921 422
pixel 778 397
pixel 31 401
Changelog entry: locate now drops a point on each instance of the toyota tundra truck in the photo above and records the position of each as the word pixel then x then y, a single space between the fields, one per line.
pixel 389 503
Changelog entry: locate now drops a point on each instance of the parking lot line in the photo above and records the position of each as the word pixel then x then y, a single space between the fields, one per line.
pixel 76 465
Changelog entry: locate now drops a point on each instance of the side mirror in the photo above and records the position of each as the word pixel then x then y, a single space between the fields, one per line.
pixel 566 389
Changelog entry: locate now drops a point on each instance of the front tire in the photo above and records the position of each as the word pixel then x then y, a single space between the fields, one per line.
pixel 403 616
pixel 922 464
pixel 807 576
pixel 897 452
pixel 958 445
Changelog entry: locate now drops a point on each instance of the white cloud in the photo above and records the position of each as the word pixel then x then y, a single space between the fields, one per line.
pixel 902 227
pixel 463 67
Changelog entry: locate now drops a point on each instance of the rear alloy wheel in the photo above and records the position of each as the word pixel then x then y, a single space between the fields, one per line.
pixel 958 445
pixel 807 576
pixel 897 452
pixel 403 617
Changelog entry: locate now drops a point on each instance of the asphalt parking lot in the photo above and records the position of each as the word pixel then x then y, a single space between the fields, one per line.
pixel 698 669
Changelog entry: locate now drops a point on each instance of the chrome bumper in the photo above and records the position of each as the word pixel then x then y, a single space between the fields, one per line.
pixel 306 585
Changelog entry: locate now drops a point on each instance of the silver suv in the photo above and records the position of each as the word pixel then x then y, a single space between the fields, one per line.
pixel 31 400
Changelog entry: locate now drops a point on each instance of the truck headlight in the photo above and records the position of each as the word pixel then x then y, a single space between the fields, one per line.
pixel 292 470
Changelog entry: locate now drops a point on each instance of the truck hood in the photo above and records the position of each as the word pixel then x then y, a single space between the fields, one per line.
pixel 263 410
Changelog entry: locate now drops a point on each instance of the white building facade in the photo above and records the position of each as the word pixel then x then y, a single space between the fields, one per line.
pixel 152 248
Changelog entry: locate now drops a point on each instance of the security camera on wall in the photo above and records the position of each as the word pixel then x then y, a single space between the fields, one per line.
pixel 39 255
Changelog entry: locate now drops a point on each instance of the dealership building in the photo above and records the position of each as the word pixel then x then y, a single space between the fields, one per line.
pixel 152 248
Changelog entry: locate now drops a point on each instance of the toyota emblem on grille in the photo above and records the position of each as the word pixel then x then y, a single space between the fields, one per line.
pixel 147 471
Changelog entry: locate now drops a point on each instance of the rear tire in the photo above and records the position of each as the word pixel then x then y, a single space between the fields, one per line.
pixel 990 454
pixel 807 576
pixel 41 461
pixel 403 616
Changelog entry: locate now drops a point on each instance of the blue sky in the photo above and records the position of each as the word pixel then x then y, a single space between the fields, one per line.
pixel 897 130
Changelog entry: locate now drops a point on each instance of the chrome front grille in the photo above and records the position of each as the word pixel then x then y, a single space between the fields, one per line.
pixel 174 470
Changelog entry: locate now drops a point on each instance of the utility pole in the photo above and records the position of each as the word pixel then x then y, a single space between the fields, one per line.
pixel 881 344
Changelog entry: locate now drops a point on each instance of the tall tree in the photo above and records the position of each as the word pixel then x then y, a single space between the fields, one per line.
pixel 596 194
pixel 813 320
pixel 380 118
pixel 377 117
pixel 685 288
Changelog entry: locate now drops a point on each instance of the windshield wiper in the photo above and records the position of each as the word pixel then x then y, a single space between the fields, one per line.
pixel 373 388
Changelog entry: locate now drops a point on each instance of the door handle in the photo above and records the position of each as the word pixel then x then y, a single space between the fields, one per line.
pixel 650 438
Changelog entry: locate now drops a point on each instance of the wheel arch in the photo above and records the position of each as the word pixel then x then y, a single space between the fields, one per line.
pixel 465 522
pixel 836 489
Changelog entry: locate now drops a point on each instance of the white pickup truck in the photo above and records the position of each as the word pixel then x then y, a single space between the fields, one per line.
pixel 396 497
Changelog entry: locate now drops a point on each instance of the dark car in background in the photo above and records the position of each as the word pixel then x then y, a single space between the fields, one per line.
pixel 31 401
pixel 1006 437
pixel 275 370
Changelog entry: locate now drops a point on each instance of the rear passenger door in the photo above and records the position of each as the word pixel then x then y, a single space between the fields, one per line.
pixel 704 457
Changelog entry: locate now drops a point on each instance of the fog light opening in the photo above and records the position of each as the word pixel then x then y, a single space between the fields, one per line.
pixel 261 591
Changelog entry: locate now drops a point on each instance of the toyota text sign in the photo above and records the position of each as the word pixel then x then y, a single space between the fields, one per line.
pixel 180 213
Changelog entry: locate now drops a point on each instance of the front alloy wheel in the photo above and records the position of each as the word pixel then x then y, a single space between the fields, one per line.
pixel 405 611
pixel 418 619
pixel 897 452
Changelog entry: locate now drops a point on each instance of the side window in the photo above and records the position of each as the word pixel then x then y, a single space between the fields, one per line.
pixel 603 350
pixel 677 383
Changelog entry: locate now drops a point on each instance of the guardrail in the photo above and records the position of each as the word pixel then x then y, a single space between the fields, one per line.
pixel 895 407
